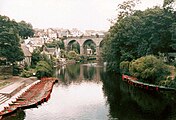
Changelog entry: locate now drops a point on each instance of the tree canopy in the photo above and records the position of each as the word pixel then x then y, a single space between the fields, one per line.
pixel 25 29
pixel 10 39
pixel 139 33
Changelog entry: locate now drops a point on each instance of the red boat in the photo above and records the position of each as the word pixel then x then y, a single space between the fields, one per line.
pixel 35 95
pixel 134 81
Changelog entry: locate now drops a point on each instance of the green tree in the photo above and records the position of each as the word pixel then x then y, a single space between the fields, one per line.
pixel 10 46
pixel 90 45
pixel 74 46
pixel 25 29
pixel 56 43
pixel 36 57
pixel 43 69
pixel 139 33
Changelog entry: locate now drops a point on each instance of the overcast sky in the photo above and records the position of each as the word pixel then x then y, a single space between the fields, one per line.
pixel 81 14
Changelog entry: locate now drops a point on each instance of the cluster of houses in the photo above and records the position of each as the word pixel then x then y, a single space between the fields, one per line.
pixel 43 36
pixel 60 33
pixel 31 44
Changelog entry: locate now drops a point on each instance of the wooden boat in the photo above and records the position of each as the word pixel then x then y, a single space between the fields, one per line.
pixel 35 95
pixel 134 81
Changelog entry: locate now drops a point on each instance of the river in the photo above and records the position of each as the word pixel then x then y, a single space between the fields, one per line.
pixel 88 92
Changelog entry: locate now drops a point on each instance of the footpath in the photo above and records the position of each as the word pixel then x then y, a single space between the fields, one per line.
pixel 14 87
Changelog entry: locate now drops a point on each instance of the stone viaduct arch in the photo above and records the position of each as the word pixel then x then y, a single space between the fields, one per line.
pixel 81 41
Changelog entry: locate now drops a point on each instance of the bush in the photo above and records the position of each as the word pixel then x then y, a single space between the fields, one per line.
pixel 16 69
pixel 124 67
pixel 168 83
pixel 43 69
pixel 72 55
pixel 150 69
pixel 27 73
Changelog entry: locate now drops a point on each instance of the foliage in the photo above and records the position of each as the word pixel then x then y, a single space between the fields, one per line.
pixel 138 33
pixel 43 69
pixel 42 64
pixel 89 44
pixel 72 55
pixel 25 29
pixel 9 42
pixel 36 57
pixel 56 43
pixel 63 53
pixel 10 32
pixel 74 46
pixel 124 67
pixel 45 58
pixel 27 73
pixel 150 69
pixel 16 69
pixel 168 83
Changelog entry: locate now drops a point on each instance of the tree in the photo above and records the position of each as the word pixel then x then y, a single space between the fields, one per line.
pixel 138 34
pixel 111 49
pixel 10 32
pixel 56 43
pixel 43 69
pixel 10 46
pixel 36 57
pixel 25 29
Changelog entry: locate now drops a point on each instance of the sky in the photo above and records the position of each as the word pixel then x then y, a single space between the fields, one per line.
pixel 81 14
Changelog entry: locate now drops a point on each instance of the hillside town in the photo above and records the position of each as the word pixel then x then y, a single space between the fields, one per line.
pixel 42 36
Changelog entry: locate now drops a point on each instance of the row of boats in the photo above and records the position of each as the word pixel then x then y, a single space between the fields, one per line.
pixel 134 81
pixel 35 95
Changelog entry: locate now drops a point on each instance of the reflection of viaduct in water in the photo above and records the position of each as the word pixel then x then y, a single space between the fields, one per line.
pixel 96 75
pixel 87 72
pixel 81 41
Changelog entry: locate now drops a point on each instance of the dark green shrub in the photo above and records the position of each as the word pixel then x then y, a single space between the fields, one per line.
pixel 16 69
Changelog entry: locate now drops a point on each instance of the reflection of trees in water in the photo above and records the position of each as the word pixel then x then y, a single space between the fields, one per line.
pixel 73 71
pixel 75 74
pixel 89 72
pixel 19 115
pixel 111 92
pixel 69 74
pixel 130 103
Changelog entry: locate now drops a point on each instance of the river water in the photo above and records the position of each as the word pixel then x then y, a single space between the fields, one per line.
pixel 88 92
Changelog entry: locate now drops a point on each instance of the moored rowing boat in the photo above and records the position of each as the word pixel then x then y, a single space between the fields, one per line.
pixel 134 81
pixel 35 95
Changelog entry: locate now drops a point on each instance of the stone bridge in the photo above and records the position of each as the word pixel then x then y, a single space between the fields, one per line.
pixel 82 40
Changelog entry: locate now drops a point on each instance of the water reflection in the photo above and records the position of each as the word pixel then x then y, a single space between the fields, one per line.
pixel 130 103
pixel 87 91
pixel 78 73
